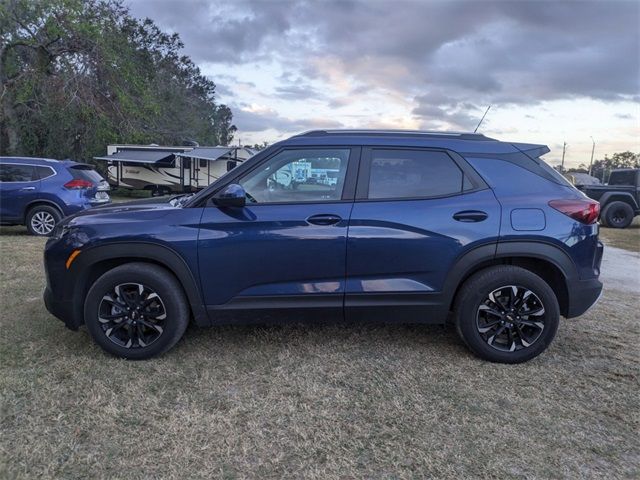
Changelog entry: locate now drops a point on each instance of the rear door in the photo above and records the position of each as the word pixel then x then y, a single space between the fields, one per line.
pixel 416 212
pixel 19 185
pixel 284 252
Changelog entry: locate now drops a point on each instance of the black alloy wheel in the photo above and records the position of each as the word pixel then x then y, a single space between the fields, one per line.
pixel 510 318
pixel 132 315
pixel 136 310
pixel 506 314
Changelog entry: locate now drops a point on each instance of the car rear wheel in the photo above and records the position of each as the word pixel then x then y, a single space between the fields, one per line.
pixel 506 314
pixel 136 311
pixel 618 215
pixel 42 219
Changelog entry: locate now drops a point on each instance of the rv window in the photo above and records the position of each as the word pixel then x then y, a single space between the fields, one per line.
pixel 186 163
pixel 203 163
pixel 231 165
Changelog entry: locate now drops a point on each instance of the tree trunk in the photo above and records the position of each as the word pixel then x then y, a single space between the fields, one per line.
pixel 9 122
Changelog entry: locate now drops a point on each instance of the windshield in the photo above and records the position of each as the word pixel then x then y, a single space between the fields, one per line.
pixel 180 200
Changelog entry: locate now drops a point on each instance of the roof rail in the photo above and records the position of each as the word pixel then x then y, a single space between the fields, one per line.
pixel 397 133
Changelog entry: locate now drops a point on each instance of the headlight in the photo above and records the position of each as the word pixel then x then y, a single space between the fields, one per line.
pixel 60 231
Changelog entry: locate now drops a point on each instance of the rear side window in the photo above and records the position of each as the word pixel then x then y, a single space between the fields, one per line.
pixel 413 174
pixel 85 172
pixel 44 172
pixel 17 173
pixel 623 177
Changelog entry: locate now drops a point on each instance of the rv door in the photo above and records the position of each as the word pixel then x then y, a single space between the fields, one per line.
pixel 186 173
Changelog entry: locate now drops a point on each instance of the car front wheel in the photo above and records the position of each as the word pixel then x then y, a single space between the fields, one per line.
pixel 506 314
pixel 136 311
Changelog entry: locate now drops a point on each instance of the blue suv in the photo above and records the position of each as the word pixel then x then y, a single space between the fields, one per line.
pixel 39 192
pixel 356 226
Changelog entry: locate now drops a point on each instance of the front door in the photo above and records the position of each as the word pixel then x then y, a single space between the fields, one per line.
pixel 416 212
pixel 284 252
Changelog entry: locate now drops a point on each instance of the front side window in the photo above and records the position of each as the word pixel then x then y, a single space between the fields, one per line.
pixel 16 173
pixel 413 174
pixel 294 176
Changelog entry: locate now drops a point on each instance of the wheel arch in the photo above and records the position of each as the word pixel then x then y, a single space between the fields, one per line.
pixel 38 202
pixel 547 261
pixel 625 197
pixel 96 261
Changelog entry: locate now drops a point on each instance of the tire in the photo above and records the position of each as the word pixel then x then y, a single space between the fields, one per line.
pixel 156 192
pixel 41 220
pixel 167 312
pixel 516 337
pixel 617 215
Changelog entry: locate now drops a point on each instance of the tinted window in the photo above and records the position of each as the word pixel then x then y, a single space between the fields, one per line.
pixel 85 172
pixel 16 173
pixel 298 176
pixel 44 172
pixel 413 173
pixel 623 177
pixel 203 163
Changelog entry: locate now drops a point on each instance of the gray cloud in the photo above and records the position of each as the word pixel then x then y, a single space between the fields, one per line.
pixel 297 92
pixel 454 58
pixel 251 121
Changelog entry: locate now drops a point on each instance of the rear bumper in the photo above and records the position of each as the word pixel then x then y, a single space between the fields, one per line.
pixel 582 296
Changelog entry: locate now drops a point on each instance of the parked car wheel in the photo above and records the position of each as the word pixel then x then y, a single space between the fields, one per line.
pixel 136 311
pixel 617 215
pixel 42 219
pixel 506 314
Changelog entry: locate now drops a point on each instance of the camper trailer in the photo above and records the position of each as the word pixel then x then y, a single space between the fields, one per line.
pixel 166 170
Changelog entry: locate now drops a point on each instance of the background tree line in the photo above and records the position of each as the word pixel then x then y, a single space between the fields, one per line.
pixel 76 75
pixel 602 168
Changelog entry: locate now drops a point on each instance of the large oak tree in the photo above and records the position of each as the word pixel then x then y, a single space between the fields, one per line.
pixel 76 75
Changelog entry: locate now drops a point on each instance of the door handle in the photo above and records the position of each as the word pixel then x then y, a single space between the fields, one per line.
pixel 470 216
pixel 28 188
pixel 324 219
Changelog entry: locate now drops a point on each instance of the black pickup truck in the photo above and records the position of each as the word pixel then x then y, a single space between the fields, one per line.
pixel 619 199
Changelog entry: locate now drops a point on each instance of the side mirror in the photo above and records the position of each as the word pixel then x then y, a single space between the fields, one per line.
pixel 232 195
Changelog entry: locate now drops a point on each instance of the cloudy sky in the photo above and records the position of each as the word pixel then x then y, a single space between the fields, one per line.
pixel 552 71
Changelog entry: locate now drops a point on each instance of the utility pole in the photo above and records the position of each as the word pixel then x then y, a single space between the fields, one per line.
pixel 564 149
pixel 593 149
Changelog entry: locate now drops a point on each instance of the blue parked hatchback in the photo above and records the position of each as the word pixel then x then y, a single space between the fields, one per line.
pixel 341 226
pixel 39 192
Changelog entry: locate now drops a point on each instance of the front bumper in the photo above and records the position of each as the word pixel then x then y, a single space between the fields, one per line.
pixel 62 310
pixel 61 297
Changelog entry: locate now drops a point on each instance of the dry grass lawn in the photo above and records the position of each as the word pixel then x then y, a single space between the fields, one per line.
pixel 314 401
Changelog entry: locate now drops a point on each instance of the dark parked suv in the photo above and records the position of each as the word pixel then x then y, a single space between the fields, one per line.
pixel 39 192
pixel 397 227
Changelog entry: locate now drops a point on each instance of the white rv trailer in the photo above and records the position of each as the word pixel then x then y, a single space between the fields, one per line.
pixel 165 170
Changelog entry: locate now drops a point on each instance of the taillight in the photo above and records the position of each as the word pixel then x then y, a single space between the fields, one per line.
pixel 78 184
pixel 585 211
